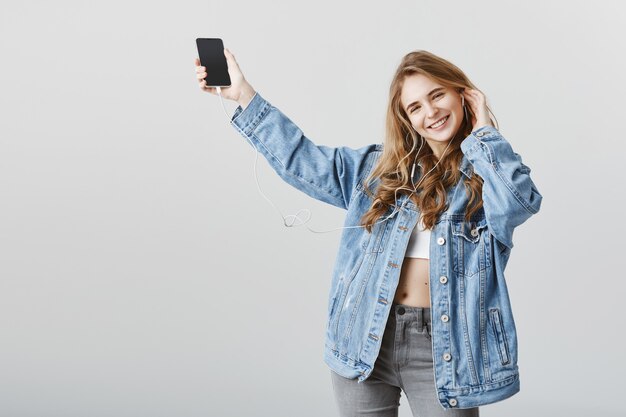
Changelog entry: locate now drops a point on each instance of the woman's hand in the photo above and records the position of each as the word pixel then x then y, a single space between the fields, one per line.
pixel 240 90
pixel 478 104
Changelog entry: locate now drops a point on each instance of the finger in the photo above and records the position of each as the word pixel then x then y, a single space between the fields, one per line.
pixel 204 87
pixel 200 69
pixel 201 75
pixel 230 58
pixel 196 61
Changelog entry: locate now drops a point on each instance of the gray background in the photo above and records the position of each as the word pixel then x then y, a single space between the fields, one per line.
pixel 142 273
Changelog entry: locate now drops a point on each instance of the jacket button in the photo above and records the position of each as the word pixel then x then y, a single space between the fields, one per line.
pixel 443 279
pixel 479 134
pixel 474 232
pixel 452 402
pixel 447 357
pixel 441 241
pixel 445 318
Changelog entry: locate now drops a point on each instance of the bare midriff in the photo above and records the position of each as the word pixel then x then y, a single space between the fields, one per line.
pixel 413 287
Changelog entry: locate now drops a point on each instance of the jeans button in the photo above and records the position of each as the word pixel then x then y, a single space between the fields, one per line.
pixel 401 310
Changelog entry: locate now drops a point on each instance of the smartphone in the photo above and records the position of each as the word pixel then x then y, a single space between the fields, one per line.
pixel 211 53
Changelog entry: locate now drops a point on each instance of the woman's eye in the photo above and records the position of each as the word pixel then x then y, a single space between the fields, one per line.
pixel 435 96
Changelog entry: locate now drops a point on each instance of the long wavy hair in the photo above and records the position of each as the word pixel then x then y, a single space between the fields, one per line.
pixel 394 166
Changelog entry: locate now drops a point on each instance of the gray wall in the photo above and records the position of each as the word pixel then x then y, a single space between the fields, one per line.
pixel 143 274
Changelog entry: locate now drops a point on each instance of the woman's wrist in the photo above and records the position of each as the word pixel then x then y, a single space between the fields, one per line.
pixel 246 96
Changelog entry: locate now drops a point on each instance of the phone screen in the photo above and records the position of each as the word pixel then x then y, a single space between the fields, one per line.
pixel 211 54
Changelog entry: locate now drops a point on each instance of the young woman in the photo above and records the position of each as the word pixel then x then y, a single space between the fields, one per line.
pixel 418 300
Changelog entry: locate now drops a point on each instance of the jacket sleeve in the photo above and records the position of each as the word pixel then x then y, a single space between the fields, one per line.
pixel 509 195
pixel 322 172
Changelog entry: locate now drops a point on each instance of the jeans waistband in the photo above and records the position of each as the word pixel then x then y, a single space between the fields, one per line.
pixel 406 313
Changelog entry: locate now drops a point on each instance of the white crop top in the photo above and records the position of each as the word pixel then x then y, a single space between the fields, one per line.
pixel 419 243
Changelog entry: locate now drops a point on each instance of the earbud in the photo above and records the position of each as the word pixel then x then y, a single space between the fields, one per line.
pixel 463 105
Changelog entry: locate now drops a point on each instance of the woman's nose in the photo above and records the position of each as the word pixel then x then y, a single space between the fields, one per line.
pixel 431 111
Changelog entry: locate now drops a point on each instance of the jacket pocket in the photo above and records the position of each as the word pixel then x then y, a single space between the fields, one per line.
pixel 365 239
pixel 472 246
pixel 500 334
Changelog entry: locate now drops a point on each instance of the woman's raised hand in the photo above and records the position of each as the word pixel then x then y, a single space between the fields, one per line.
pixel 240 90
pixel 478 104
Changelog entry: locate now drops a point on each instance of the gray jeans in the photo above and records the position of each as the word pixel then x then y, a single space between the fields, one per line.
pixel 405 363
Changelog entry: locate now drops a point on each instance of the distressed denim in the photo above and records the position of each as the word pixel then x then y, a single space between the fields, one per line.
pixel 474 340
pixel 404 364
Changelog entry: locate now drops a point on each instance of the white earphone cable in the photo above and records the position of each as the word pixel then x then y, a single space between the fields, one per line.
pixel 293 217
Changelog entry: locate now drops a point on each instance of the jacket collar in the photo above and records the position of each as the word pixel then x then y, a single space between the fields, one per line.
pixel 465 167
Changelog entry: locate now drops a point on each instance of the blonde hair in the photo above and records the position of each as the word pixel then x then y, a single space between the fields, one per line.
pixel 430 196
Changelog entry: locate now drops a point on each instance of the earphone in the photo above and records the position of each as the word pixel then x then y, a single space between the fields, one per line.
pixel 396 209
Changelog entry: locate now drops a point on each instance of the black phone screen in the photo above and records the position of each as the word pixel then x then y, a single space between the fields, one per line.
pixel 211 54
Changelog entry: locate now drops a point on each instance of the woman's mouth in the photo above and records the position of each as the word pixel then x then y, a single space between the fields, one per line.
pixel 439 123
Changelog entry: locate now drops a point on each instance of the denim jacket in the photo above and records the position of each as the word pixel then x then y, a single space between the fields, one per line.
pixel 474 340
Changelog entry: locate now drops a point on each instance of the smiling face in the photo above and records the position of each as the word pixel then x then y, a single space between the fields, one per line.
pixel 427 103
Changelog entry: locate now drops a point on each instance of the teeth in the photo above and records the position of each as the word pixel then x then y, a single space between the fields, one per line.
pixel 439 123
